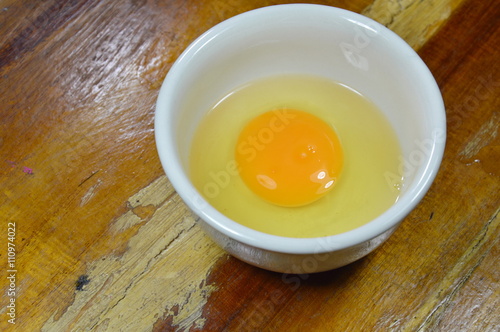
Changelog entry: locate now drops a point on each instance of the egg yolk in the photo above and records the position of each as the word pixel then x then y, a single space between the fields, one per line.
pixel 289 157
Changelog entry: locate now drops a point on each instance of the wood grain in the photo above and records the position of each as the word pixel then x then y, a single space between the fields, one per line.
pixel 103 242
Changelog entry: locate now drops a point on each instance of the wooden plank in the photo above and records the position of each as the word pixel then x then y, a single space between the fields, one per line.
pixel 103 242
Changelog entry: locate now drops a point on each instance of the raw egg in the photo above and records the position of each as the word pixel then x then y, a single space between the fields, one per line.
pixel 289 157
pixel 281 129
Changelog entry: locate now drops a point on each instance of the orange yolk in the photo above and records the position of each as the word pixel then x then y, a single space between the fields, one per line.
pixel 289 157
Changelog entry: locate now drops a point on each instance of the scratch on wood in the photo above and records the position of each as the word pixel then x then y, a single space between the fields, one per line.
pixel 485 135
pixel 89 177
pixel 90 193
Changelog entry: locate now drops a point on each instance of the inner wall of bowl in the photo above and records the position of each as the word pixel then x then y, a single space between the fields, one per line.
pixel 359 55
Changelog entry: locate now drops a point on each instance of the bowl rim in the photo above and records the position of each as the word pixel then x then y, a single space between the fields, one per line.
pixel 172 164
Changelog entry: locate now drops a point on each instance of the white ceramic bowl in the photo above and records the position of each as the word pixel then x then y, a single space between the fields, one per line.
pixel 306 39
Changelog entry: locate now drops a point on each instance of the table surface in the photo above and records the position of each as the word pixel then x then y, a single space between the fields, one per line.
pixel 102 242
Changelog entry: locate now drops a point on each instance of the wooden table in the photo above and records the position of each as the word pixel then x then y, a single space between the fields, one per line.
pixel 103 243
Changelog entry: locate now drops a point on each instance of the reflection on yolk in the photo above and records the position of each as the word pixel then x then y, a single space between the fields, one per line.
pixel 289 157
